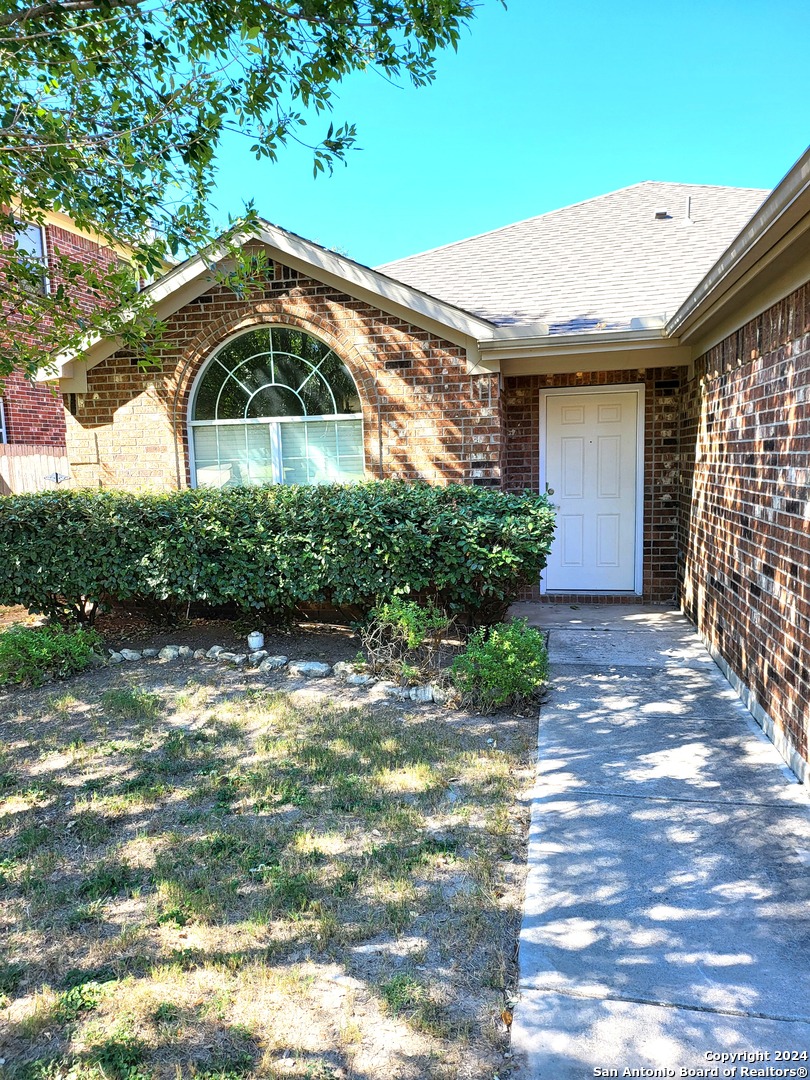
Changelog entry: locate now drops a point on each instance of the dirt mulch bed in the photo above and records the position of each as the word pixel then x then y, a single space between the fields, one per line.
pixel 124 628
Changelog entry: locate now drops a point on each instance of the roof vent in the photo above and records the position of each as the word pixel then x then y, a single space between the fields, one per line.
pixel 662 215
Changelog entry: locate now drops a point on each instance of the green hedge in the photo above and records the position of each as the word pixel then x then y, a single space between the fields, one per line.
pixel 468 549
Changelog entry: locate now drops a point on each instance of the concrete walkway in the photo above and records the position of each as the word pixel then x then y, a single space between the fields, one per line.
pixel 667 911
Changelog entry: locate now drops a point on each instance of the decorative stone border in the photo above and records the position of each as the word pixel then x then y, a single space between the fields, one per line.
pixel 261 662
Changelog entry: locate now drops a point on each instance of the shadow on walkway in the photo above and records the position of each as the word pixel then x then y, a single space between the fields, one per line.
pixel 667 912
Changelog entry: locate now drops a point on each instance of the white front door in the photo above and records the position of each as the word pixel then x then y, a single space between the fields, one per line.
pixel 592 462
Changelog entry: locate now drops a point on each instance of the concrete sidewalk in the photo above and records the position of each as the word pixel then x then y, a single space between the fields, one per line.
pixel 667 913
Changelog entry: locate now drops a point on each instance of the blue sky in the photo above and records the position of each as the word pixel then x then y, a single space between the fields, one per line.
pixel 545 104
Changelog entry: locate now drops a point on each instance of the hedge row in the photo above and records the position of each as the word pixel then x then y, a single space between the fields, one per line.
pixel 470 550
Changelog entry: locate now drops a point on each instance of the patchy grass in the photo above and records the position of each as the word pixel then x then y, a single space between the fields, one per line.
pixel 131 703
pixel 207 880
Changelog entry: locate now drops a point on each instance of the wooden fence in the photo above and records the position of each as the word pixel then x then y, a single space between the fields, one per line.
pixel 27 468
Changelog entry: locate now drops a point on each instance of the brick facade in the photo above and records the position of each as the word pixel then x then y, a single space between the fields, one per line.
pixel 725 452
pixel 521 408
pixel 424 416
pixel 34 413
pixel 745 511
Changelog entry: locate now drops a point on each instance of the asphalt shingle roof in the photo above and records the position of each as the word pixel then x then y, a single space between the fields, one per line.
pixel 594 265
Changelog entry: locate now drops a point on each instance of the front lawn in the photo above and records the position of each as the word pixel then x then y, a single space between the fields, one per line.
pixel 204 877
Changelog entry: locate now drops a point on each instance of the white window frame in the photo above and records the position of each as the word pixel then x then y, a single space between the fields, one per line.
pixel 3 428
pixel 273 423
pixel 43 236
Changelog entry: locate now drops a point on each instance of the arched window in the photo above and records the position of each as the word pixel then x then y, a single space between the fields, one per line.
pixel 276 406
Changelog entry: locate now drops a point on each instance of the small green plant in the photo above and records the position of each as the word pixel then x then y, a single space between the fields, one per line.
pixel 10 977
pixel 288 891
pixel 85 913
pixel 409 674
pixel 30 839
pixel 30 654
pixel 120 1056
pixel 403 638
pixel 409 621
pixel 77 1000
pixel 402 993
pixel 502 665
pixel 166 1013
pixel 174 916
pixel 91 828
pixel 107 879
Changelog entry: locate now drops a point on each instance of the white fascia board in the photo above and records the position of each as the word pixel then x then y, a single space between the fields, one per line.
pixel 511 345
pixel 359 281
pixel 779 215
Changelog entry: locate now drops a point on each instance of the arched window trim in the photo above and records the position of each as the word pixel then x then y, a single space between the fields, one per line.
pixel 304 420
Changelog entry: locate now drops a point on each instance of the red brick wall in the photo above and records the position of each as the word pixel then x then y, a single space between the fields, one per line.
pixel 521 405
pixel 745 511
pixel 34 414
pixel 425 417
pixel 80 249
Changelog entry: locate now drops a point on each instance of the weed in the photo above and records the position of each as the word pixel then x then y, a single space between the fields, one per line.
pixel 287 890
pixel 107 879
pixel 131 704
pixel 85 913
pixel 119 1056
pixel 227 791
pixel 30 839
pixel 174 916
pixel 501 665
pixel 402 992
pixel 77 1000
pixel 166 1013
pixel 144 787
pixel 352 791
pixel 28 654
pixel 8 781
pixel 237 1065
pixel 35 873
pixel 63 704
pixel 403 638
pixel 10 977
pixel 79 976
pixel 91 828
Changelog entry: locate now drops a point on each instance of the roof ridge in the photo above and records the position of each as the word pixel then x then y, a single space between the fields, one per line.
pixel 560 210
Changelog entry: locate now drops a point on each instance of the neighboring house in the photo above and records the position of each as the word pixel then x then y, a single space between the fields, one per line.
pixel 644 354
pixel 32 414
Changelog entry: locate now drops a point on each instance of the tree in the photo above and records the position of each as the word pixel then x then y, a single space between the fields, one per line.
pixel 111 111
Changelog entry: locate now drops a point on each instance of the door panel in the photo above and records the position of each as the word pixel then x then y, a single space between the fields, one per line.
pixel 591 462
pixel 572 482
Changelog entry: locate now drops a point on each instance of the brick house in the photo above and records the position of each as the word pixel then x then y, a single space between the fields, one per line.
pixel 32 414
pixel 644 354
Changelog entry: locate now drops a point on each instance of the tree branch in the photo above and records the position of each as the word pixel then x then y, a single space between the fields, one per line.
pixel 52 10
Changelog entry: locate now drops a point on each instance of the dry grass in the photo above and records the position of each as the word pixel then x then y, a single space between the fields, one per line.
pixel 200 879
